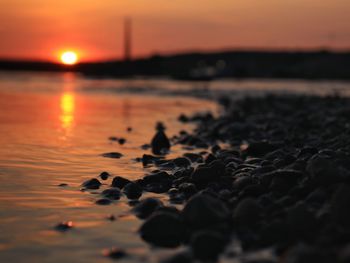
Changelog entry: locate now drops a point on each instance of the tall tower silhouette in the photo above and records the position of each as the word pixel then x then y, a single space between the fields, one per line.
pixel 127 39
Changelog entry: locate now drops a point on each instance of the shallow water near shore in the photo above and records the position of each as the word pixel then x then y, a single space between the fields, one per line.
pixel 54 128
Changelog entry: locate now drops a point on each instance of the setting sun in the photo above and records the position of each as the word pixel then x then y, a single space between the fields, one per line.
pixel 69 58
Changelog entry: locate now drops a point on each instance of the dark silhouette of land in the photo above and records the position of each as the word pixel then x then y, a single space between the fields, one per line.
pixel 207 66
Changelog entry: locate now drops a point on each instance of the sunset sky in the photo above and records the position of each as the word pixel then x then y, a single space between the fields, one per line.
pixel 41 29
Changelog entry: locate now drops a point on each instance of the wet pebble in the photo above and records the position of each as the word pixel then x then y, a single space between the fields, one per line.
pixel 114 155
pixel 160 143
pixel 104 175
pixel 207 245
pixel 203 210
pixel 146 207
pixel 112 193
pixel 132 190
pixel 103 201
pixel 164 230
pixel 120 182
pixel 92 184
pixel 64 226
pixel 115 253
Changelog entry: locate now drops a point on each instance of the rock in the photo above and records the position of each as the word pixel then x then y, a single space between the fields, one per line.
pixel 181 257
pixel 247 212
pixel 206 174
pixel 120 182
pixel 183 118
pixel 63 185
pixel 157 177
pixel 241 182
pixel 104 175
pixel 115 155
pixel 111 218
pixel 160 142
pixel 64 226
pixel 188 189
pixel 112 193
pixel 340 206
pixel 149 159
pixel 91 184
pixel 103 201
pixel 132 190
pixel 207 245
pixel 115 253
pixel 274 232
pixel 182 162
pixel 203 210
pixel 284 180
pixel 323 170
pixel 260 148
pixel 146 207
pixel 301 222
pixel 121 141
pixel 145 146
pixel 194 157
pixel 305 254
pixel 164 230
pixel 344 255
pixel 158 188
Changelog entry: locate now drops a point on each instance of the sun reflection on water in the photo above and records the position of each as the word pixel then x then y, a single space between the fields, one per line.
pixel 67 110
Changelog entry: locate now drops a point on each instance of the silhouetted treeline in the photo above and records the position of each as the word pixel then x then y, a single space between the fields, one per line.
pixel 197 66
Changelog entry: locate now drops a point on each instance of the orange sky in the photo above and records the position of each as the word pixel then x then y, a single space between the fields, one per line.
pixel 42 28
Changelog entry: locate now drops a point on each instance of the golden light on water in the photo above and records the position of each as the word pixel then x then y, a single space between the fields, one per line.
pixel 67 105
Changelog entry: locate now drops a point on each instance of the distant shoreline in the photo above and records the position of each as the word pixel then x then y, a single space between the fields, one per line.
pixel 316 65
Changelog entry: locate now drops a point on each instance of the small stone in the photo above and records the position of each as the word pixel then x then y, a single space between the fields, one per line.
pixel 323 170
pixel 120 182
pixel 149 159
pixel 64 226
pixel 145 146
pixel 163 229
pixel 158 188
pixel 146 207
pixel 207 245
pixel 92 184
pixel 160 142
pixel 301 222
pixel 115 253
pixel 182 162
pixel 241 182
pixel 183 118
pixel 112 193
pixel 188 189
pixel 132 190
pixel 340 206
pixel 103 201
pixel 63 185
pixel 203 210
pixel 111 218
pixel 205 174
pixel 158 177
pixel 104 175
pixel 181 257
pixel 194 157
pixel 115 155
pixel 247 212
pixel 121 141
pixel 260 148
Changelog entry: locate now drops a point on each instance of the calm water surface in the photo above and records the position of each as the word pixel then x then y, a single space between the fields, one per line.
pixel 54 128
